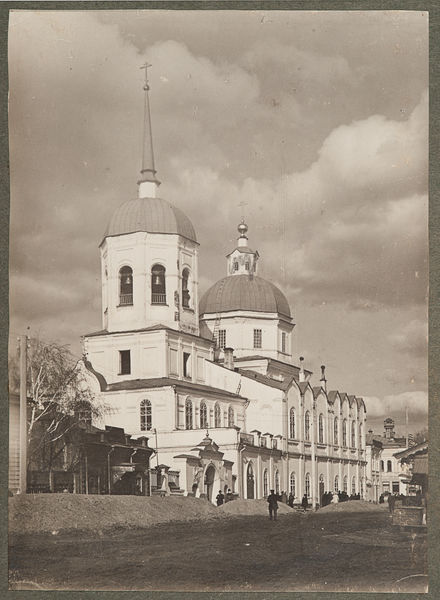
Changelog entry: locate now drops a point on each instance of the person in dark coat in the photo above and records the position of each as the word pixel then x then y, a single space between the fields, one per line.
pixel 291 500
pixel 220 498
pixel 391 502
pixel 272 500
pixel 304 502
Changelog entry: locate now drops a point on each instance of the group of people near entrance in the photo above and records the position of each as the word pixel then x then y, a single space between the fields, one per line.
pixel 221 498
pixel 335 497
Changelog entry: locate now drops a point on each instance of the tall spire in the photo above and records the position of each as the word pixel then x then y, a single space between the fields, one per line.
pixel 148 182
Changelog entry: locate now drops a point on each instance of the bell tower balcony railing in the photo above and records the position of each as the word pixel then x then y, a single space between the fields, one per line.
pixel 158 298
pixel 126 300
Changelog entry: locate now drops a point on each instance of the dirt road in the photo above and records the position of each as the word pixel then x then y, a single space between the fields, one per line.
pixel 358 551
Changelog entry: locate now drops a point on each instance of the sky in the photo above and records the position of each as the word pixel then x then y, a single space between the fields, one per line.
pixel 312 124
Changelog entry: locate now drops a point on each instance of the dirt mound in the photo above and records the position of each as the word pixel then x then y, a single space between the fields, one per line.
pixel 41 513
pixel 353 506
pixel 251 507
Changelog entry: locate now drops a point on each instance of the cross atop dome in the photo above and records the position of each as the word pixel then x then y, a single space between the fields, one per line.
pixel 148 182
pixel 242 260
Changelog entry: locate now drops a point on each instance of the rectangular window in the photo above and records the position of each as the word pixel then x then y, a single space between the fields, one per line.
pixel 257 338
pixel 186 364
pixel 284 342
pixel 222 338
pixel 124 362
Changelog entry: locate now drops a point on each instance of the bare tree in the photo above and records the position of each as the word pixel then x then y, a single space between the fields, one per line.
pixel 60 403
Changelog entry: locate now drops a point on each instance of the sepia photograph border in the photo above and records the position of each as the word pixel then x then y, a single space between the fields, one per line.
pixel 431 6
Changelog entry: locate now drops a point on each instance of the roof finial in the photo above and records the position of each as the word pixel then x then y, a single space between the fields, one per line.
pixel 148 170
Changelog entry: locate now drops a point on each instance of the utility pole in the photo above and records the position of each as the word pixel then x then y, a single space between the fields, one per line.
pixel 23 414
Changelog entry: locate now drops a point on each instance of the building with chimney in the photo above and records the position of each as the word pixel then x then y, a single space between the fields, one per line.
pixel 212 382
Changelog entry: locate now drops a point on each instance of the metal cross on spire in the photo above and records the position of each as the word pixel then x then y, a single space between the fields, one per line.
pixel 146 66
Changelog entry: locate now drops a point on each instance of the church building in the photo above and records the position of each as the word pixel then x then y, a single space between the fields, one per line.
pixel 211 381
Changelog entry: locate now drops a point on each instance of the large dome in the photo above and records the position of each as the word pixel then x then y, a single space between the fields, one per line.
pixel 242 292
pixel 152 215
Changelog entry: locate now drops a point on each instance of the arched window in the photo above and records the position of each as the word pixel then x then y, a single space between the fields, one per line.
pixel 360 436
pixel 230 417
pixel 188 414
pixel 389 466
pixel 382 466
pixel 353 434
pixel 203 416
pixel 217 415
pixel 321 429
pixel 292 487
pixel 345 483
pixel 307 426
pixel 292 423
pixel 307 491
pixel 336 484
pixel 185 288
pixel 158 290
pixel 362 489
pixel 145 415
pixel 265 483
pixel 353 485
pixel 277 482
pixel 344 433
pixel 126 286
pixel 336 433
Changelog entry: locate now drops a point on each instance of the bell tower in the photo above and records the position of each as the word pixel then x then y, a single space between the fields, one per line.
pixel 149 256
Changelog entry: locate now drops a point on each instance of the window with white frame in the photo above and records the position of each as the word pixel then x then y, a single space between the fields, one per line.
pixel 353 485
pixel 292 487
pixel 265 483
pixel 345 483
pixel 344 433
pixel 307 426
pixel 145 415
pixel 203 415
pixel 231 417
pixel 277 482
pixel 258 337
pixel 336 432
pixel 292 423
pixel 284 342
pixel 307 485
pixel 321 429
pixel 353 434
pixel 336 484
pixel 217 415
pixel 222 338
pixel 188 414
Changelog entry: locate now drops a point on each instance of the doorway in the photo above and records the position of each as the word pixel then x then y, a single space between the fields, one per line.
pixel 209 481
pixel 250 483
pixel 321 489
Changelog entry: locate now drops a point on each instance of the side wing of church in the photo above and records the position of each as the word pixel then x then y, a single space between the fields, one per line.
pixel 212 383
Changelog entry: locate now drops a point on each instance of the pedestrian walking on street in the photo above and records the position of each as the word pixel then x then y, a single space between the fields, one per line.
pixel 391 502
pixel 272 500
pixel 291 500
pixel 220 498
pixel 304 502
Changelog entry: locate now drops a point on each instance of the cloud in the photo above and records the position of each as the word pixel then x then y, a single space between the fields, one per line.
pixel 288 119
pixel 412 339
pixel 395 405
